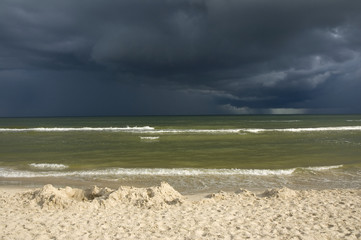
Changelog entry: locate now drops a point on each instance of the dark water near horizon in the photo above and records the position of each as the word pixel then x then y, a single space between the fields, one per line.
pixel 192 153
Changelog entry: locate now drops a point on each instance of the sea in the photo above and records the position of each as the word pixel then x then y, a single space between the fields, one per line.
pixel 194 154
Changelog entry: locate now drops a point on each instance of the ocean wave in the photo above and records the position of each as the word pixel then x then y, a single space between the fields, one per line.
pixel 252 130
pixel 152 130
pixel 80 129
pixel 323 168
pixel 11 173
pixel 275 121
pixel 146 172
pixel 149 138
pixel 48 166
pixel 316 129
pixel 201 131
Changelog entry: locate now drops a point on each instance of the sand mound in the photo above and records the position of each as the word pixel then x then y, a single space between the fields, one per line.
pixel 312 214
pixel 160 195
pixel 283 193
pixel 52 197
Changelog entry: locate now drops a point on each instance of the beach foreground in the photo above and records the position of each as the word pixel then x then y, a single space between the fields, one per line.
pixel 163 213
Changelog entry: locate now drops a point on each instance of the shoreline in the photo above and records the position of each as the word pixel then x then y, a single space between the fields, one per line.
pixel 320 178
pixel 160 212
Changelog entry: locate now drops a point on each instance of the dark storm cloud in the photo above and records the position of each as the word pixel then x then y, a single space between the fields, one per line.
pixel 248 56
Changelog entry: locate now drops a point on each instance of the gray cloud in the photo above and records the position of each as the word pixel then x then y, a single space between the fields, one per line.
pixel 233 55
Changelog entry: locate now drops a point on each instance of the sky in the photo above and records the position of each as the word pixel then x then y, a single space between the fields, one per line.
pixel 179 57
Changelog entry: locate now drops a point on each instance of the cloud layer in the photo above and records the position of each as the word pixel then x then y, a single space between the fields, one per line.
pixel 179 57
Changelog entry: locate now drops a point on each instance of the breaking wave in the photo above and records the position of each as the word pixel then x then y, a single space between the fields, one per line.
pixel 81 129
pixel 316 129
pixel 275 121
pixel 323 168
pixel 149 138
pixel 11 173
pixel 48 166
pixel 256 130
pixel 152 130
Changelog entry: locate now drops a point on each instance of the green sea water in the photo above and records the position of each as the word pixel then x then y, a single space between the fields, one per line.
pixel 197 152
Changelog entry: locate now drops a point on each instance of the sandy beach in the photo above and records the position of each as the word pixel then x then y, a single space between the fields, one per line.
pixel 161 212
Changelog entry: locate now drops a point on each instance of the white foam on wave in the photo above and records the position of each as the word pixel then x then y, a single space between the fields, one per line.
pixel 152 130
pixel 323 168
pixel 316 129
pixel 146 172
pixel 276 121
pixel 197 171
pixel 11 173
pixel 203 131
pixel 80 129
pixel 48 166
pixel 145 129
pixel 149 138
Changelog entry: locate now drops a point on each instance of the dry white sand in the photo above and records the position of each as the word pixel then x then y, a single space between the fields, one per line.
pixel 162 213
